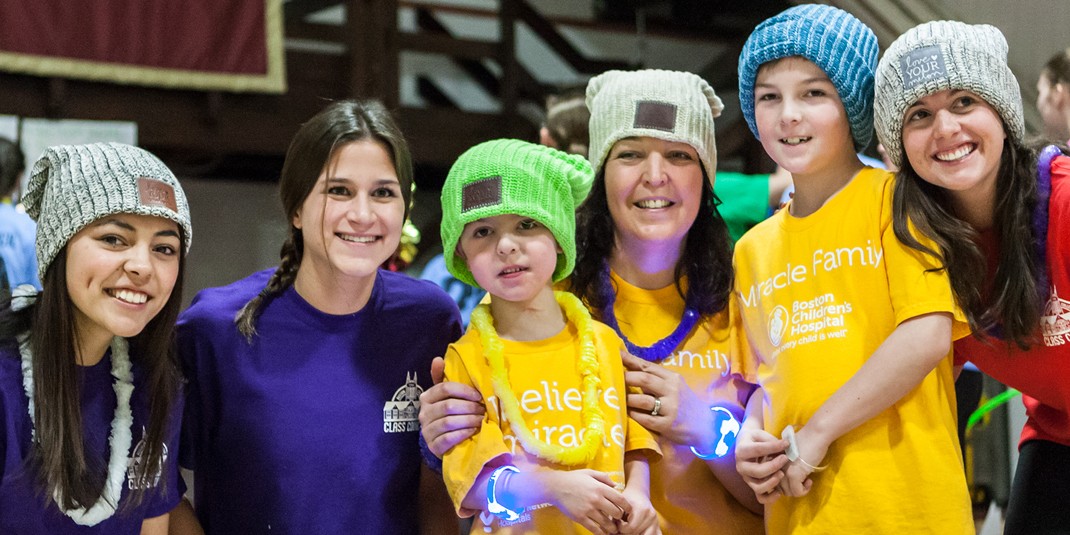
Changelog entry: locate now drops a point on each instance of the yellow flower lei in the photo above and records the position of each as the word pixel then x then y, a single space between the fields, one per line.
pixel 587 365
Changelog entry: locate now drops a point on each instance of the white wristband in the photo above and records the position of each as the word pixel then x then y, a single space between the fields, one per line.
pixel 793 450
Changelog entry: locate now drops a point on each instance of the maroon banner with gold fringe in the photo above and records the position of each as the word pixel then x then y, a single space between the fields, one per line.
pixel 228 45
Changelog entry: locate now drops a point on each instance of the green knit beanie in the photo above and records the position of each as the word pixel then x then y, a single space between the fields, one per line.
pixel 509 176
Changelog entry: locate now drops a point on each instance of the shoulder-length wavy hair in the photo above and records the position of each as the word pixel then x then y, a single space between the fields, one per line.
pixel 312 149
pixel 706 261
pixel 1014 299
pixel 63 469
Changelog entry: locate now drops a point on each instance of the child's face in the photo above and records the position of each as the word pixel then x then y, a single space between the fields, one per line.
pixel 513 257
pixel 653 188
pixel 801 120
pixel 954 140
pixel 121 270
pixel 351 220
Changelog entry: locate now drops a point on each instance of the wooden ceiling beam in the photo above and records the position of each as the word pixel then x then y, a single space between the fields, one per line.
pixel 314 31
pixel 189 123
pixel 447 46
pixel 299 9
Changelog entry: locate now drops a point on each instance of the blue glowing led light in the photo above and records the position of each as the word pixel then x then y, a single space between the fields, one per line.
pixel 727 427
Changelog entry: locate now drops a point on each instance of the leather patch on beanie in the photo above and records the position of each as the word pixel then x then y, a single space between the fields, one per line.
pixel 482 192
pixel 922 65
pixel 155 193
pixel 656 115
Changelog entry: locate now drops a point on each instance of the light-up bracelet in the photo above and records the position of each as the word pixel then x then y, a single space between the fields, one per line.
pixel 493 507
pixel 793 450
pixel 727 428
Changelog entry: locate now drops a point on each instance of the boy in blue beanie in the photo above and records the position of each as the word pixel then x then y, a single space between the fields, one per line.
pixel 847 331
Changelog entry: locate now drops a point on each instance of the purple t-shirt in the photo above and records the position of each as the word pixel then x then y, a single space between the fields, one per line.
pixel 22 508
pixel 313 427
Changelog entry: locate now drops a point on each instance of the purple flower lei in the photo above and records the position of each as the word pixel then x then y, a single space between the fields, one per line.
pixel 1040 214
pixel 658 350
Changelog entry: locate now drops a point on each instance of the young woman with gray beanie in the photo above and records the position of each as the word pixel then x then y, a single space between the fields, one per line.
pixel 89 381
pixel 949 113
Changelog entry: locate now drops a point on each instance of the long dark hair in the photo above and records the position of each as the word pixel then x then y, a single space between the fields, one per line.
pixel 706 261
pixel 58 452
pixel 1014 300
pixel 312 149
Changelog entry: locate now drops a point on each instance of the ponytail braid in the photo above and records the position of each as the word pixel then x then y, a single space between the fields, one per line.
pixel 283 278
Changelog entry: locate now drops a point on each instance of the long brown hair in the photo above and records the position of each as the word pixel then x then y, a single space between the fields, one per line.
pixel 312 149
pixel 63 468
pixel 1014 300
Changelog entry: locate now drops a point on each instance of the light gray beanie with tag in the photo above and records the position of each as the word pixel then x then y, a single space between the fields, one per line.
pixel 938 56
pixel 73 185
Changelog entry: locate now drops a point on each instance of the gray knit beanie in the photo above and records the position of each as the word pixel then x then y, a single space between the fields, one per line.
pixel 944 55
pixel 73 185
pixel 668 105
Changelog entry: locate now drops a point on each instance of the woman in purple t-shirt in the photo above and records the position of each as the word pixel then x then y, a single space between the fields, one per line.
pixel 88 374
pixel 304 380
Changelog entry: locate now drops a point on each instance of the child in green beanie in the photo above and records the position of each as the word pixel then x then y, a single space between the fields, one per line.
pixel 556 450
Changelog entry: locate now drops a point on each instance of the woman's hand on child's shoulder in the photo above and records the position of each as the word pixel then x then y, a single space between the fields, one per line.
pixel 760 460
pixel 588 497
pixel 643 519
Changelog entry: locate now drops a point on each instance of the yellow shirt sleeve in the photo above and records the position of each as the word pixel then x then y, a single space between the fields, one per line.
pixel 462 464
pixel 917 283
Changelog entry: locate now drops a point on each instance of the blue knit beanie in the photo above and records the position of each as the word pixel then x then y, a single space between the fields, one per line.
pixel 834 40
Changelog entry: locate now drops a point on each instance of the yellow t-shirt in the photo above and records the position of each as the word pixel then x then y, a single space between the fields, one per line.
pixel 543 375
pixel 688 497
pixel 817 296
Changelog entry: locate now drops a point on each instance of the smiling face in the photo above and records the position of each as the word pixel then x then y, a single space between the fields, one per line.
pixel 121 270
pixel 511 256
pixel 801 120
pixel 653 188
pixel 351 220
pixel 953 139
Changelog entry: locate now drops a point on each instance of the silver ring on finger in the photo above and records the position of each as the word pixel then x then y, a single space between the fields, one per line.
pixel 657 407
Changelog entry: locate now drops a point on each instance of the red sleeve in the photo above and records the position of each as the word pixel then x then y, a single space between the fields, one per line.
pixel 1059 215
